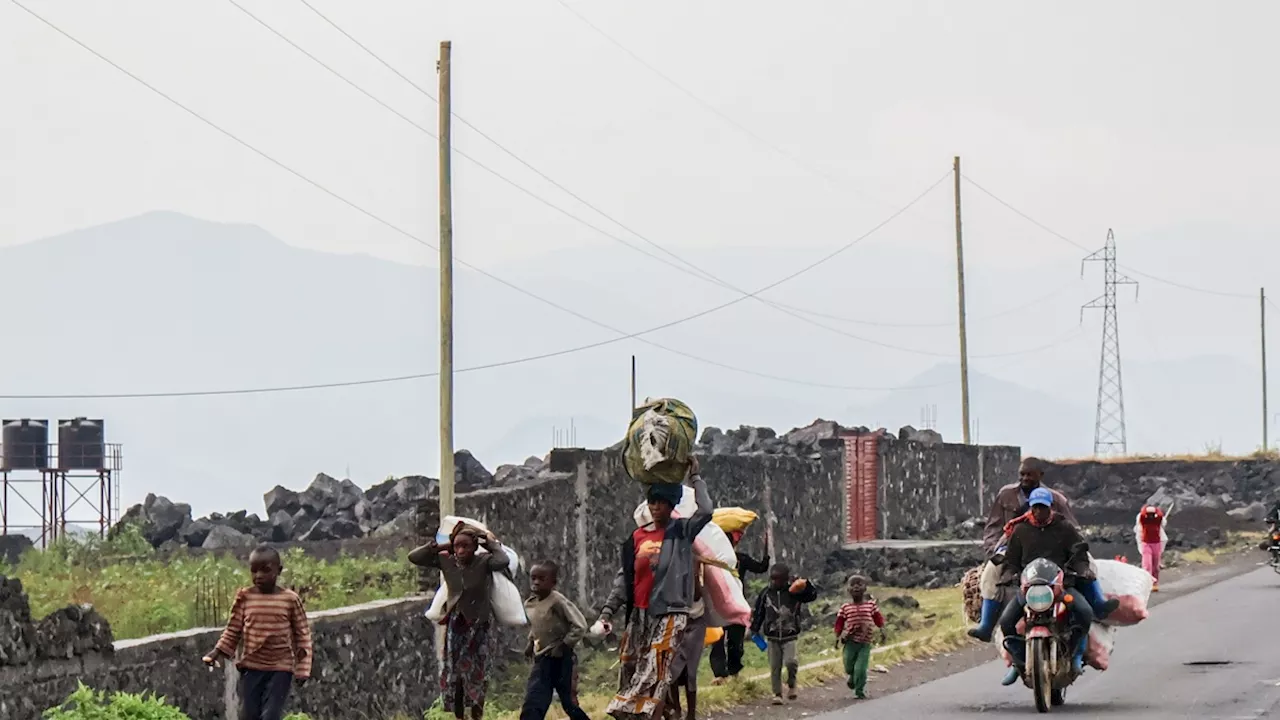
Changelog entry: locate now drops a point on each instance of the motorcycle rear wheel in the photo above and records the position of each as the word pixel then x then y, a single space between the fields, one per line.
pixel 1041 676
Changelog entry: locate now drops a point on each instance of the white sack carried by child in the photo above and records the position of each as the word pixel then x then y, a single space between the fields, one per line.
pixel 508 605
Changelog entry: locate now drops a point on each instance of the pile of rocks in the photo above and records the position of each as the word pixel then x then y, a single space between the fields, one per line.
pixel 328 509
pixel 1243 488
pixel 813 438
pixel 67 633
pixel 12 547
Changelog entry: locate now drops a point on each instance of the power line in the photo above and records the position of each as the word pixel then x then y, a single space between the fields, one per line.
pixel 426 131
pixel 947 324
pixel 481 271
pixel 717 111
pixel 624 335
pixel 1079 246
pixel 512 154
pixel 695 272
pixel 487 366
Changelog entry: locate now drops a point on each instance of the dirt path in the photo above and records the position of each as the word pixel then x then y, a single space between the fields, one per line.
pixel 833 694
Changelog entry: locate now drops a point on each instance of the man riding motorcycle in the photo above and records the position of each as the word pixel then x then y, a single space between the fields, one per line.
pixel 1049 535
pixel 1012 503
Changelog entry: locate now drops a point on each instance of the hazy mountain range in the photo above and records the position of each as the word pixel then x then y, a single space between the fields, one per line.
pixel 165 303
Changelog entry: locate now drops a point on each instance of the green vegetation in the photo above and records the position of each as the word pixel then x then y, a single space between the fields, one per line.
pixel 141 593
pixel 88 704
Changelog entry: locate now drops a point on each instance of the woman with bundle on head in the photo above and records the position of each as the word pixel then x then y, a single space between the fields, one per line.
pixel 463 682
pixel 655 587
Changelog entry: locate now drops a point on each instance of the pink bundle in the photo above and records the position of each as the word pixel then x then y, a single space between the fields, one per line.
pixel 1128 584
pixel 726 604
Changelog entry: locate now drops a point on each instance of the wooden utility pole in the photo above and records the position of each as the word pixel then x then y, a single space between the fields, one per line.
pixel 633 382
pixel 964 335
pixel 446 288
pixel 1262 304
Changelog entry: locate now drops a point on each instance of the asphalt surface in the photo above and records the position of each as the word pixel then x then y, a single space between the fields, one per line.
pixel 1213 654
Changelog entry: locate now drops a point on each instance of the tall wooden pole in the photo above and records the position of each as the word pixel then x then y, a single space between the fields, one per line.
pixel 446 287
pixel 1262 304
pixel 964 335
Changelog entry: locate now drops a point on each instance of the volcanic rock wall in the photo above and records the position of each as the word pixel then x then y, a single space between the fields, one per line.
pixel 928 487
pixel 371 661
pixel 580 514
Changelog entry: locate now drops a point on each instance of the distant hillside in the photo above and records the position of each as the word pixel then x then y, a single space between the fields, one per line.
pixel 167 303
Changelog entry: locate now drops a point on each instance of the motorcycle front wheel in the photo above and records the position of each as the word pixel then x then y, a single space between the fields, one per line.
pixel 1041 675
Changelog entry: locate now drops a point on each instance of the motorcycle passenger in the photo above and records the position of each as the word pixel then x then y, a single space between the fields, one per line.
pixel 1046 534
pixel 1273 517
pixel 1010 506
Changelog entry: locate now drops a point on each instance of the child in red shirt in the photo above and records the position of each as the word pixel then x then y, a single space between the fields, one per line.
pixel 855 628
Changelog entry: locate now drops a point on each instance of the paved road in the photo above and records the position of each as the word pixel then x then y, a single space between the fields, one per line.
pixel 1165 667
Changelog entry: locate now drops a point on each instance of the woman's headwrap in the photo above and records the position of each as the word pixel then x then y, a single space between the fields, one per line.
pixel 669 493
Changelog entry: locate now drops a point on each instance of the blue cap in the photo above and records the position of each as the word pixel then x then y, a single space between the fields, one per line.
pixel 1040 496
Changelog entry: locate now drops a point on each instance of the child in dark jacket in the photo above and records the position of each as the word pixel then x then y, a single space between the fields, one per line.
pixel 855 629
pixel 777 617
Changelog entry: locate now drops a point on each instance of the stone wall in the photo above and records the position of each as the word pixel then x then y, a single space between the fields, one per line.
pixel 580 514
pixel 372 660
pixel 926 487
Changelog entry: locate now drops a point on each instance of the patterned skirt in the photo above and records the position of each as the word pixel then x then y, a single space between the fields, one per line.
pixel 648 648
pixel 466 660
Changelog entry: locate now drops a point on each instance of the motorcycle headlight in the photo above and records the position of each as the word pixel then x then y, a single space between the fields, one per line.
pixel 1040 598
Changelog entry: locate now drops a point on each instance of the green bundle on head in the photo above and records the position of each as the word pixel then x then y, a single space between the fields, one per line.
pixel 660 442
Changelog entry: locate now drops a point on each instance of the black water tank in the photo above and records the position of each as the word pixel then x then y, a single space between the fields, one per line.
pixel 81 444
pixel 25 444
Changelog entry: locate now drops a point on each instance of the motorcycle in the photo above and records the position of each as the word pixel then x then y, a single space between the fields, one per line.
pixel 1050 638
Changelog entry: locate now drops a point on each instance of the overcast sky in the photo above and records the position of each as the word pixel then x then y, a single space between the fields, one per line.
pixel 1154 118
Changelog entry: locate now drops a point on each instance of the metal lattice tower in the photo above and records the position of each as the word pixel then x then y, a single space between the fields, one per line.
pixel 1109 432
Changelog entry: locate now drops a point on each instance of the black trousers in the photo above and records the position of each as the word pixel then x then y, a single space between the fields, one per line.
pixel 263 694
pixel 726 653
pixel 552 675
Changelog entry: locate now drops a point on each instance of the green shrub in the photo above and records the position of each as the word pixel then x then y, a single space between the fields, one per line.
pixel 87 704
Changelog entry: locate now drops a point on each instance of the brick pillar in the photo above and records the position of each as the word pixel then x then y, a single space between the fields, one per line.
pixel 861 486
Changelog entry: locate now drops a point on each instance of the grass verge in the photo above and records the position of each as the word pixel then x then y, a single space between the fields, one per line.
pixel 936 626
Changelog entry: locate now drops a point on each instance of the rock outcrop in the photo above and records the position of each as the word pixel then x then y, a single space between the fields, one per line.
pixel 327 509
pixel 71 632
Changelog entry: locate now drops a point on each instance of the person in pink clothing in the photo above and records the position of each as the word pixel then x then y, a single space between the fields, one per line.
pixel 1149 531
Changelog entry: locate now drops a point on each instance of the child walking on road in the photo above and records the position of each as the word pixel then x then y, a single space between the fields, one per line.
pixel 777 617
pixel 271 624
pixel 556 626
pixel 855 627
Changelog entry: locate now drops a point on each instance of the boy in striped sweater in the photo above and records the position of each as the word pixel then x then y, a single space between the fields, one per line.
pixel 855 627
pixel 270 625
